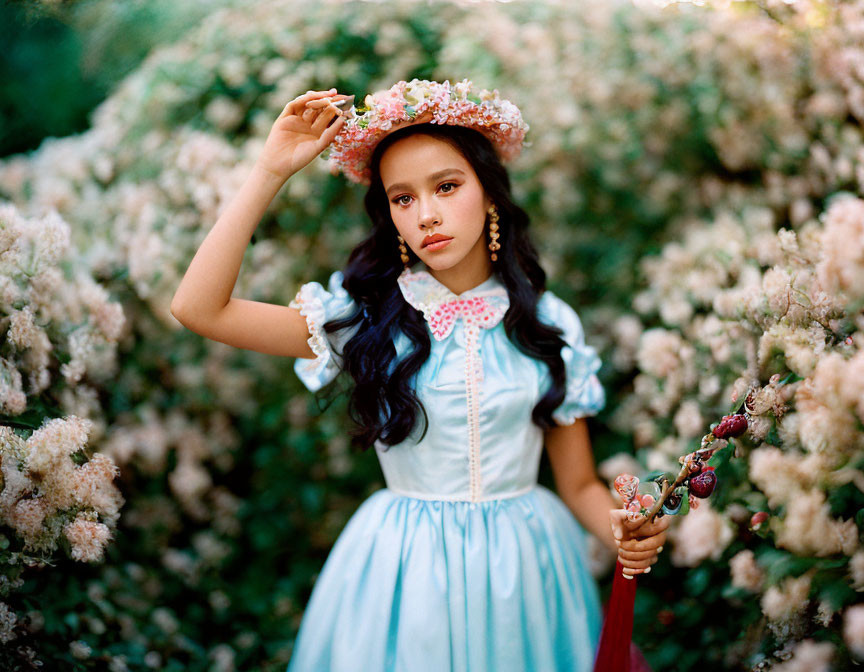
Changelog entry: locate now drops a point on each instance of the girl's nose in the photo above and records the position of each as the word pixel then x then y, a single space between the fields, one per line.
pixel 428 217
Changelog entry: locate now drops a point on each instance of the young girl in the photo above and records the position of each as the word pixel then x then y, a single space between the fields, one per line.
pixel 464 367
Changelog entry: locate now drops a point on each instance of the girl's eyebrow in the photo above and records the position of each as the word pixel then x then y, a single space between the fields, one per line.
pixel 431 178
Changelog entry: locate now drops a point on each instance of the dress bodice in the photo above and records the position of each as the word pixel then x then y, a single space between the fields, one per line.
pixel 477 388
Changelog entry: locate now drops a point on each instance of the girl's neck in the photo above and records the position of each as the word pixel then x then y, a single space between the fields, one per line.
pixel 473 270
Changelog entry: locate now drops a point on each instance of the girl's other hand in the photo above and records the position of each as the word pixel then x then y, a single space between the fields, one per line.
pixel 301 132
pixel 638 542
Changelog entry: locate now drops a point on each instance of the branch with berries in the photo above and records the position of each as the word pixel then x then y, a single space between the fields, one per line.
pixel 654 498
pixel 696 479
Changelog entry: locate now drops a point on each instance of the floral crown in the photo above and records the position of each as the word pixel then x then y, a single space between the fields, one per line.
pixel 423 100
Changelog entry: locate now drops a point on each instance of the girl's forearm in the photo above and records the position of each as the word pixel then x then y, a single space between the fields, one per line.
pixel 591 506
pixel 209 281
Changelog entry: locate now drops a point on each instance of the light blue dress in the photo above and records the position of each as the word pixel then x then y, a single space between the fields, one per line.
pixel 463 562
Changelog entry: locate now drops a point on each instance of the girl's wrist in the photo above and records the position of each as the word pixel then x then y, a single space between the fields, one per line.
pixel 268 175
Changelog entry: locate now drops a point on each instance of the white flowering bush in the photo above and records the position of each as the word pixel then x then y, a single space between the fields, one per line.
pixel 774 323
pixel 61 333
pixel 691 177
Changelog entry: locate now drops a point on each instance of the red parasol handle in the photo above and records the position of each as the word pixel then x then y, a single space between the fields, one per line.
pixel 613 652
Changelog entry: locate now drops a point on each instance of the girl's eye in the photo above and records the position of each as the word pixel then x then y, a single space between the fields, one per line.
pixel 398 200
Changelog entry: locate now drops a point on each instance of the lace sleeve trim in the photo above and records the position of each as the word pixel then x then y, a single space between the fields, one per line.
pixel 311 307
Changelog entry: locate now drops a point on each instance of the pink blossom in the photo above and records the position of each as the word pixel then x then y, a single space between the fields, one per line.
pixel 746 573
pixel 787 599
pixel 88 538
pixel 700 535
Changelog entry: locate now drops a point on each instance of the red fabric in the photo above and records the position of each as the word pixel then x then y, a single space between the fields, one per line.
pixel 616 651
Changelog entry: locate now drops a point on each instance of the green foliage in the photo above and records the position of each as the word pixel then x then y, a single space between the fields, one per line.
pixel 61 60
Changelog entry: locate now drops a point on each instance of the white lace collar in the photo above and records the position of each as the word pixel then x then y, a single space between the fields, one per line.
pixel 483 305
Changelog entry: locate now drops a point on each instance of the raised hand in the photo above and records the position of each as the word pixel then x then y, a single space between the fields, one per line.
pixel 301 132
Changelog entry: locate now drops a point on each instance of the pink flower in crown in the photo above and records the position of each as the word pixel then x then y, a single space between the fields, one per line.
pixel 389 103
pixel 416 91
pixel 475 310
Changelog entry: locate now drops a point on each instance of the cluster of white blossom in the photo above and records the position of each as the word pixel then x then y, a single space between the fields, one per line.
pixel 47 497
pixel 52 308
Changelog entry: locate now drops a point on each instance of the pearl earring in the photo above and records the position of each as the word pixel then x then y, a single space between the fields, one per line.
pixel 493 233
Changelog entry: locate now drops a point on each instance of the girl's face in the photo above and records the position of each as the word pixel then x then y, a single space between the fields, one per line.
pixel 433 190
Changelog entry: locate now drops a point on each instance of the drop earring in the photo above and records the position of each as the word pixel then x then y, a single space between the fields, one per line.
pixel 493 233
pixel 403 251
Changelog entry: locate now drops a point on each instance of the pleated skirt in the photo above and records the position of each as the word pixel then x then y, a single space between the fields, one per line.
pixel 417 585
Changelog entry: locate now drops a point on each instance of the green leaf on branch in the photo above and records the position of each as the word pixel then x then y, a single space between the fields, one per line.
pixel 737 405
pixel 773 438
pixel 685 500
pixel 721 457
pixel 653 475
pixel 790 377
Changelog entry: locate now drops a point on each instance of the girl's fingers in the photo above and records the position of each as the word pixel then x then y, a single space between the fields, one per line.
pixel 321 117
pixel 331 131
pixel 647 529
pixel 295 105
pixel 636 555
pixel 635 564
pixel 324 117
pixel 326 101
pixel 638 545
pixel 326 126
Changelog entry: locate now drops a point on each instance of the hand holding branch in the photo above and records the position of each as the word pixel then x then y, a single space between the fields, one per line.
pixel 639 527
pixel 639 541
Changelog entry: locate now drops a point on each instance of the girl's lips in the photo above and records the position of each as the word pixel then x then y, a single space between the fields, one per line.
pixel 441 244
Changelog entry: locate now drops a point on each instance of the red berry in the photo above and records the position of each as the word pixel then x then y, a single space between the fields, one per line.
pixel 729 426
pixel 702 484
pixel 758 518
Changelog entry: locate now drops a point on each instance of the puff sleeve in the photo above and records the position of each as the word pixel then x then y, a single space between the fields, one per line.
pixel 585 395
pixel 319 305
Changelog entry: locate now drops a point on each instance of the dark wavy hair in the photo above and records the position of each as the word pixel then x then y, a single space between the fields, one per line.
pixel 383 403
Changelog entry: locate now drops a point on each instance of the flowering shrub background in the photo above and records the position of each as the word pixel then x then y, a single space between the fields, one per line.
pixel 693 180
